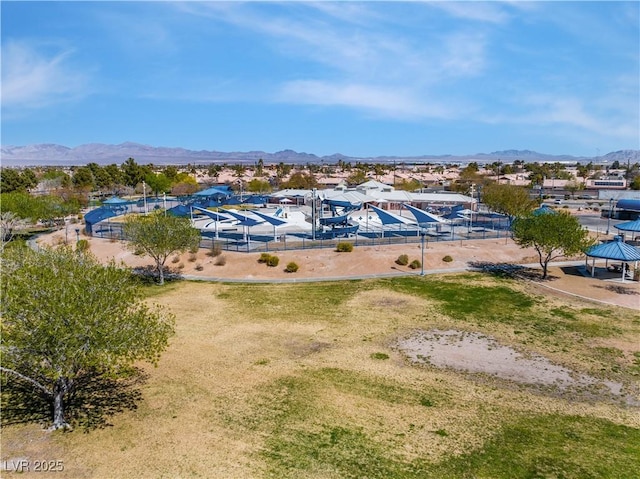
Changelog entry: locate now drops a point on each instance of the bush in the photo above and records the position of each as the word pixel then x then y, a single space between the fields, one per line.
pixel 379 356
pixel 199 267
pixel 403 260
pixel 216 250
pixel 175 259
pixel 344 247
pixel 273 261
pixel 82 245
pixel 194 249
pixel 192 257
pixel 291 268
pixel 447 259
pixel 264 258
pixel 221 260
pixel 415 264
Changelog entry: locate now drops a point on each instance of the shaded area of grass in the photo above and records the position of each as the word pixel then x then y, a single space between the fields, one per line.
pixel 552 446
pixel 95 399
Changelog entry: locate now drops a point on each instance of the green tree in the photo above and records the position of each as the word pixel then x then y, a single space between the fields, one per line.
pixel 160 236
pixel 573 186
pixel 259 170
pixel 356 177
pixel 510 200
pixel 11 180
pixel 170 172
pixel 552 235
pixel 83 177
pixel 158 183
pixel 67 319
pixel 300 180
pixel 133 173
pixel 258 186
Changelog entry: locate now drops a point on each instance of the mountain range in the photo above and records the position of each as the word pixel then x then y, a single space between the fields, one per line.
pixel 58 155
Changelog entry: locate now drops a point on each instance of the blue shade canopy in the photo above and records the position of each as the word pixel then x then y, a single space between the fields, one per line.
pixel 422 216
pixel 243 219
pixel 544 210
pixel 114 200
pixel 212 214
pixel 629 204
pixel 270 219
pixel 389 218
pixel 97 215
pixel 214 191
pixel 615 250
pixel 180 210
pixel 629 226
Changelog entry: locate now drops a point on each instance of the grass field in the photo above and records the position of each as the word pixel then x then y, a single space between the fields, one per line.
pixel 303 381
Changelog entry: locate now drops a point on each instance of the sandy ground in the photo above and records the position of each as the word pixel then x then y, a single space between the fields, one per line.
pixel 377 261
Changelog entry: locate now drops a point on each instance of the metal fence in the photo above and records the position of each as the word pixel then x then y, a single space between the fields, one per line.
pixel 481 228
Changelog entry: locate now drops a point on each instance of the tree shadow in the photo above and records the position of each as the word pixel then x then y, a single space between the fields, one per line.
pixel 149 275
pixel 95 399
pixel 509 270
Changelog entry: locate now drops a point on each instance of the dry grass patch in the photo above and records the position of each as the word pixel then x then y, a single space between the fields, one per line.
pixel 278 381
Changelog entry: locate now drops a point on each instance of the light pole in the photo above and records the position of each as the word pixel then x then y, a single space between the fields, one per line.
pixel 313 214
pixel 144 197
pixel 77 235
pixel 423 234
pixel 609 215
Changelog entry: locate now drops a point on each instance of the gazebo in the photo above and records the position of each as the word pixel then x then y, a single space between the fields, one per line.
pixel 630 226
pixel 615 250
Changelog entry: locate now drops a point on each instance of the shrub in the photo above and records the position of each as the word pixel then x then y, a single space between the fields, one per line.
pixel 175 259
pixel 344 247
pixel 415 264
pixel 181 266
pixel 273 261
pixel 194 249
pixel 82 245
pixel 291 268
pixel 264 258
pixel 379 356
pixel 192 257
pixel 216 250
pixel 403 260
pixel 199 267
pixel 221 260
pixel 447 259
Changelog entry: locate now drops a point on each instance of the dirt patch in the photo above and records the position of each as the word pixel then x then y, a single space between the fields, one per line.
pixel 478 353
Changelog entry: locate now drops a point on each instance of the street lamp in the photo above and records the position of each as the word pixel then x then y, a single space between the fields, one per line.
pixel 77 235
pixel 144 197
pixel 423 234
pixel 609 215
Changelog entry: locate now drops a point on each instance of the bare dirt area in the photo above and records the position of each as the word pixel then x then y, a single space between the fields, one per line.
pixel 368 261
pixel 478 353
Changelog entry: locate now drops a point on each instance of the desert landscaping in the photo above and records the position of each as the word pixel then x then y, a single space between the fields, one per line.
pixel 372 261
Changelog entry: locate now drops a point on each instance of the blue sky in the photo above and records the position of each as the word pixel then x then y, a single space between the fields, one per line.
pixel 359 78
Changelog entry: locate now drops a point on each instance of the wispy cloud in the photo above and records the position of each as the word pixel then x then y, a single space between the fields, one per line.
pixel 33 79
pixel 377 101
pixel 365 64
pixel 491 12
